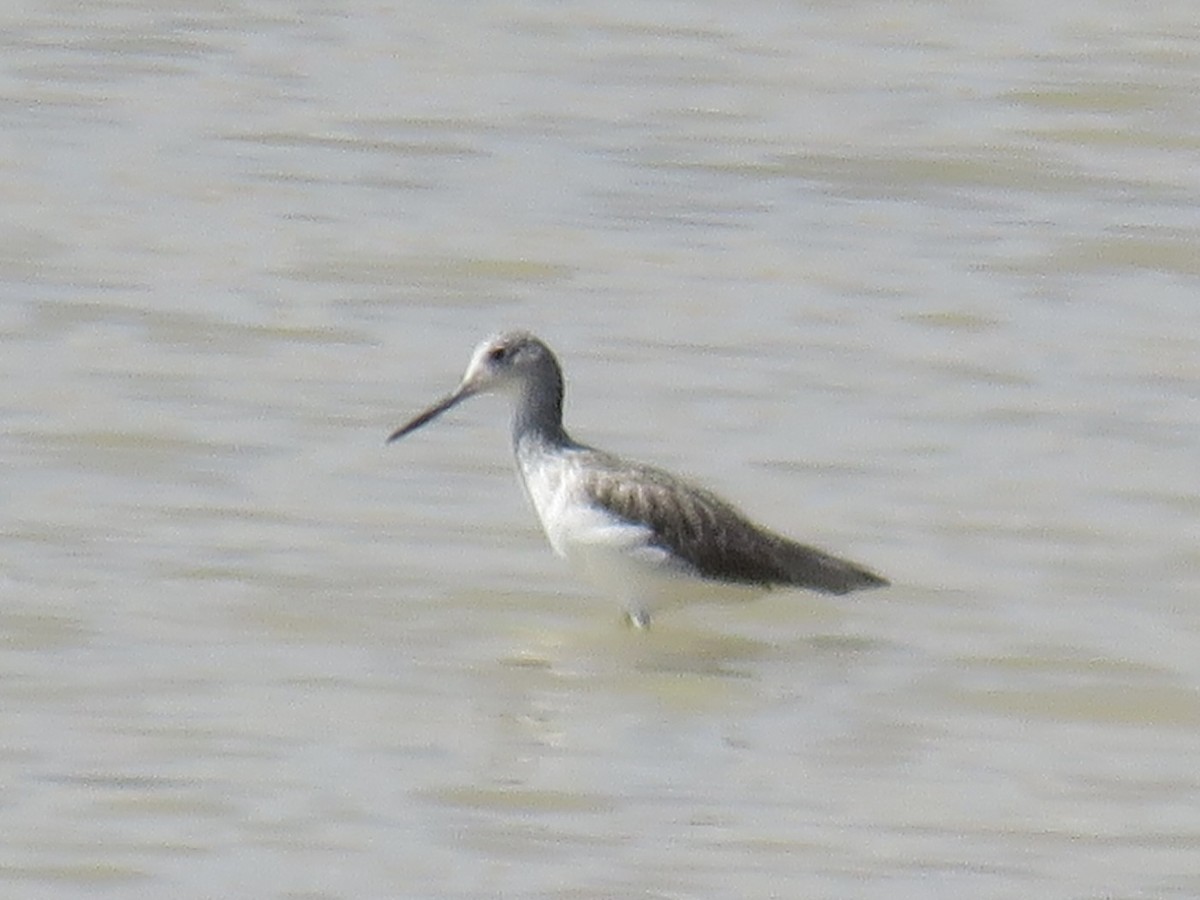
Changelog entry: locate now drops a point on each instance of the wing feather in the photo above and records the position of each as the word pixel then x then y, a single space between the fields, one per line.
pixel 711 535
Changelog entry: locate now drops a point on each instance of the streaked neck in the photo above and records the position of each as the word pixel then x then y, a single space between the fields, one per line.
pixel 538 414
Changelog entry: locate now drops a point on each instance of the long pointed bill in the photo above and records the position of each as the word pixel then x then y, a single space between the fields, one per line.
pixel 432 413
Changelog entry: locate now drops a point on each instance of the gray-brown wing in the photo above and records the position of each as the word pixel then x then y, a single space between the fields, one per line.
pixel 711 535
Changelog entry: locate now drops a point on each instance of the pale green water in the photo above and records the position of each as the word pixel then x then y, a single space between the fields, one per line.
pixel 918 283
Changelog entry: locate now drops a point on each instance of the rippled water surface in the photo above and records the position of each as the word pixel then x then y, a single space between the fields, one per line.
pixel 918 283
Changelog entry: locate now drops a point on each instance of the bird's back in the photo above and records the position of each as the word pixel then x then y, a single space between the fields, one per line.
pixel 709 535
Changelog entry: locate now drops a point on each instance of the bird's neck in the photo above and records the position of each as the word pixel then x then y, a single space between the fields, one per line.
pixel 538 415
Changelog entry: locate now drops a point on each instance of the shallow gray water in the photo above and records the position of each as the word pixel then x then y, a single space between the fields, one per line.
pixel 918 283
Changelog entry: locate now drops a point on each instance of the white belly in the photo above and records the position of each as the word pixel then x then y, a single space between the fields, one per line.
pixel 617 556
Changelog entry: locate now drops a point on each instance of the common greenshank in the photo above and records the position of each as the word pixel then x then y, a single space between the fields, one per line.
pixel 640 533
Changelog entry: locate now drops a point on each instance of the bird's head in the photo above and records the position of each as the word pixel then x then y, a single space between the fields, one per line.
pixel 505 363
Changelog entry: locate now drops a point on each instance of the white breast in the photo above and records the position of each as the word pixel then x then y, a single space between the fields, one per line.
pixel 571 522
pixel 616 555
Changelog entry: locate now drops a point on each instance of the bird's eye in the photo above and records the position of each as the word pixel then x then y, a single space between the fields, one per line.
pixel 497 354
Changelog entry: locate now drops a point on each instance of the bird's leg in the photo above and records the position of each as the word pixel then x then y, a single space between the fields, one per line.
pixel 637 618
